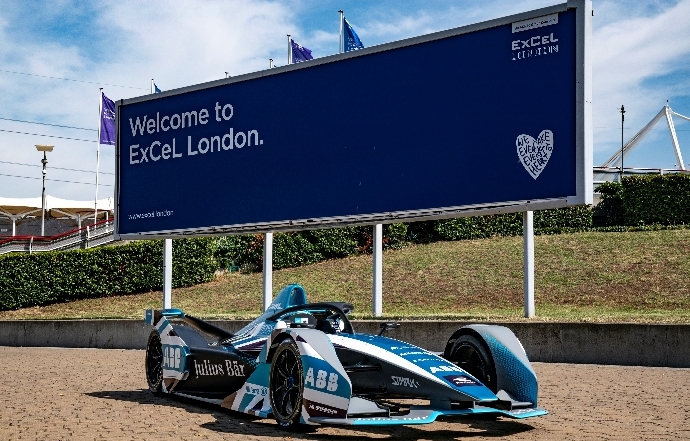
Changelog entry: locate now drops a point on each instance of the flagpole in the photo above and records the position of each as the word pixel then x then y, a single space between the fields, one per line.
pixel 98 152
pixel 341 48
pixel 289 50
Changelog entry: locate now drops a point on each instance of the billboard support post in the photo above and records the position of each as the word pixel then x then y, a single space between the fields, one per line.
pixel 167 273
pixel 376 303
pixel 268 270
pixel 528 238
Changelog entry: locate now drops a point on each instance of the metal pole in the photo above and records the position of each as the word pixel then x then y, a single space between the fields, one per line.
pixel 528 237
pixel 268 270
pixel 622 142
pixel 341 49
pixel 44 161
pixel 98 151
pixel 153 87
pixel 289 50
pixel 14 227
pixel 167 273
pixel 270 63
pixel 376 303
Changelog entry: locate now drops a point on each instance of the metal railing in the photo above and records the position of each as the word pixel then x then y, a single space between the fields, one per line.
pixel 613 174
pixel 85 237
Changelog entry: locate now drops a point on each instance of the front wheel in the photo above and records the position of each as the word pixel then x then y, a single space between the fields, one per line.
pixel 286 384
pixel 154 363
pixel 470 354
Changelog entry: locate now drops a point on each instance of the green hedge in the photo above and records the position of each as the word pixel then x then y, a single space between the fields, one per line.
pixel 479 227
pixel 645 200
pixel 639 203
pixel 305 247
pixel 656 199
pixel 42 278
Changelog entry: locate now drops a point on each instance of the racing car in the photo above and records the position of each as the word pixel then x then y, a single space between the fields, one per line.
pixel 303 364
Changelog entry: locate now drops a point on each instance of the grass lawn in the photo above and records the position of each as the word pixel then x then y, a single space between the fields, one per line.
pixel 631 277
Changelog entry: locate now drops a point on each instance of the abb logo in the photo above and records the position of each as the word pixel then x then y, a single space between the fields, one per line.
pixel 171 357
pixel 323 380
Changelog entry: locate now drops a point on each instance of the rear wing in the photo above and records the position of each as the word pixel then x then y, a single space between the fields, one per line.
pixel 153 316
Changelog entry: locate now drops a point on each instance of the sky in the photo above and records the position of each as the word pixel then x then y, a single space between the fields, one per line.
pixel 55 54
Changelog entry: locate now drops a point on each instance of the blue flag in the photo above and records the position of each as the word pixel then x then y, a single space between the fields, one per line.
pixel 156 89
pixel 299 53
pixel 352 41
pixel 107 120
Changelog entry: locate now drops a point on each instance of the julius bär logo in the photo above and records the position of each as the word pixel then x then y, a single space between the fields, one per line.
pixel 534 154
pixel 231 368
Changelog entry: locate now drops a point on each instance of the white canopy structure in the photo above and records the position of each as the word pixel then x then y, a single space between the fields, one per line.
pixel 615 160
pixel 16 209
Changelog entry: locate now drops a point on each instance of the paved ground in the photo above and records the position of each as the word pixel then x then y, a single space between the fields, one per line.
pixel 51 394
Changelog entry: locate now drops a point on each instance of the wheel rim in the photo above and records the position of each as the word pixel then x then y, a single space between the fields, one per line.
pixel 471 360
pixel 286 382
pixel 154 362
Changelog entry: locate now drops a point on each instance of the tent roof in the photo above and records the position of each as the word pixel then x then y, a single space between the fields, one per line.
pixel 20 207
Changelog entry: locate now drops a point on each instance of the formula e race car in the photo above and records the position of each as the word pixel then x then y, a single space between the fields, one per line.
pixel 303 363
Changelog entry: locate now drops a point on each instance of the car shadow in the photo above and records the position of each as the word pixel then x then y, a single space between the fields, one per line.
pixel 230 422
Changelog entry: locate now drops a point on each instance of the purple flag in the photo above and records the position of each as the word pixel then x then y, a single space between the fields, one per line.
pixel 107 120
pixel 299 53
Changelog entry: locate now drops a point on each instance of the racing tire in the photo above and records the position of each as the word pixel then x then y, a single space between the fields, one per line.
pixel 154 363
pixel 471 355
pixel 286 383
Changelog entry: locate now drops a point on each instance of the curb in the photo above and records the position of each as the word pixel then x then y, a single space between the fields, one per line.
pixel 594 343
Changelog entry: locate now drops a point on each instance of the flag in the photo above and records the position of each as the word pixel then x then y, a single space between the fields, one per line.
pixel 156 89
pixel 352 41
pixel 107 121
pixel 299 53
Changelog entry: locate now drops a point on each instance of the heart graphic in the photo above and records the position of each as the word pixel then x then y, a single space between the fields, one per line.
pixel 535 153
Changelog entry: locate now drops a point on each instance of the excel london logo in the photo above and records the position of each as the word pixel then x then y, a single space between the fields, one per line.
pixel 544 43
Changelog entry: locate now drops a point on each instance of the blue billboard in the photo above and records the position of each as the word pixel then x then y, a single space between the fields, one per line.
pixel 486 117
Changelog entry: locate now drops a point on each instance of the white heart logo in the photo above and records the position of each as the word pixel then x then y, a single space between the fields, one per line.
pixel 535 154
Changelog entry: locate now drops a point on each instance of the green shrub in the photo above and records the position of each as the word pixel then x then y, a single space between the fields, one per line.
pixel 609 210
pixel 656 199
pixel 42 278
pixel 545 222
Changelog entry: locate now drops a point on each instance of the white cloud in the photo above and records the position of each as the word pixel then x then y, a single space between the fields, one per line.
pixel 182 43
pixel 177 43
pixel 631 49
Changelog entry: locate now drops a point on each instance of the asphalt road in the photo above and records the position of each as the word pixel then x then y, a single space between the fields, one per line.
pixel 55 393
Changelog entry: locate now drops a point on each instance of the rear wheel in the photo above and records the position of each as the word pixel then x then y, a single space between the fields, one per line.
pixel 286 383
pixel 154 363
pixel 470 354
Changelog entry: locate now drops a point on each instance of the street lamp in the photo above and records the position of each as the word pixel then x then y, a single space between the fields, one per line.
pixel 622 110
pixel 44 161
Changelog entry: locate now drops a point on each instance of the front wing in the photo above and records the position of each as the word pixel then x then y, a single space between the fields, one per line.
pixel 330 402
